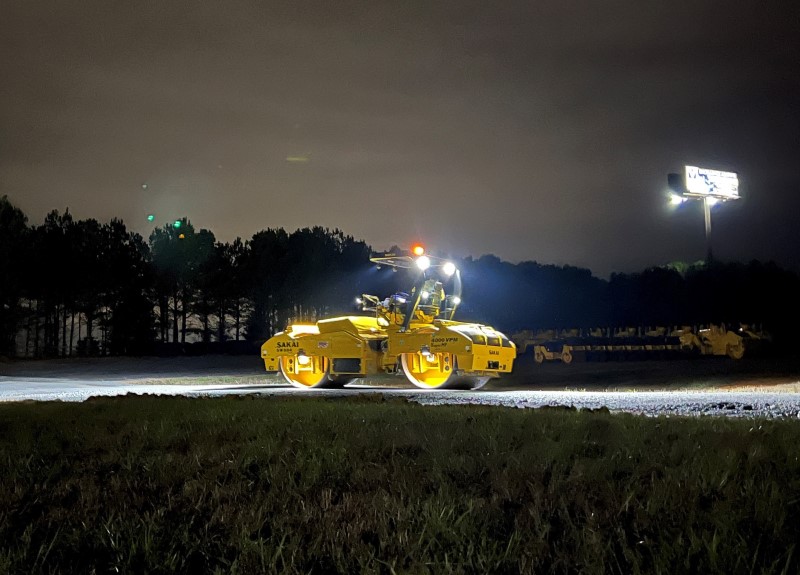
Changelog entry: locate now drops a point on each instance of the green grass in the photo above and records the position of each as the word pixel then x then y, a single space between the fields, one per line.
pixel 251 485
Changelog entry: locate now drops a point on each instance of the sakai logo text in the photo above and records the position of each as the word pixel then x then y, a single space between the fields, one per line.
pixel 492 352
pixel 285 344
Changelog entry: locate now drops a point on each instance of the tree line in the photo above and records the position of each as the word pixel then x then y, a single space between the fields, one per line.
pixel 529 295
pixel 81 287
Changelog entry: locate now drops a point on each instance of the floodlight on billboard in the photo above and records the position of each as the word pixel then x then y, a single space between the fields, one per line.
pixel 701 182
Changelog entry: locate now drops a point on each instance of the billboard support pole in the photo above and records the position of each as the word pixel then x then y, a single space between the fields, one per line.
pixel 707 214
pixel 710 186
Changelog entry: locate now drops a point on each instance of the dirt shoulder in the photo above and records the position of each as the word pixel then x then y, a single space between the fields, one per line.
pixel 695 373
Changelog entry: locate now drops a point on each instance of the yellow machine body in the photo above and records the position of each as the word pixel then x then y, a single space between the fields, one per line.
pixel 716 340
pixel 414 335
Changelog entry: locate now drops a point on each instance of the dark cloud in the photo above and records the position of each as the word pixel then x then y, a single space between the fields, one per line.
pixel 532 130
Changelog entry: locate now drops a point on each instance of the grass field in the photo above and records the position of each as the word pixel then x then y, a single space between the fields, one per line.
pixel 363 485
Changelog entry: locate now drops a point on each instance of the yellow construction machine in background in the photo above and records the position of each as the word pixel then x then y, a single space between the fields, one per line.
pixel 639 343
pixel 410 332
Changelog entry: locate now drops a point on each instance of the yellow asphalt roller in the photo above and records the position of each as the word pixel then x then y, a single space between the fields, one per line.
pixel 410 333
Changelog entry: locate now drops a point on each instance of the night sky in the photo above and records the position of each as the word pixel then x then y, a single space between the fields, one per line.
pixel 533 130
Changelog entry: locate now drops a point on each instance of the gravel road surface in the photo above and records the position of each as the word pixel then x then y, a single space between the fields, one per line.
pixel 718 386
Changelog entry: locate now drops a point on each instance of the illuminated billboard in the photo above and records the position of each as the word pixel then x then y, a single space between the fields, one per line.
pixel 712 183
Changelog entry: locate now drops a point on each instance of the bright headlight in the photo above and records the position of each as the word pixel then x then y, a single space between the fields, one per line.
pixel 424 295
pixel 449 268
pixel 423 262
pixel 456 300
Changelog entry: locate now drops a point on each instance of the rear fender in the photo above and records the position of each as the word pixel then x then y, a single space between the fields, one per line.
pixel 280 345
pixel 348 353
pixel 487 358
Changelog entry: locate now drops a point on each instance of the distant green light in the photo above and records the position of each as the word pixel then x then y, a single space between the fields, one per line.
pixel 176 224
pixel 151 217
